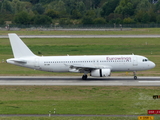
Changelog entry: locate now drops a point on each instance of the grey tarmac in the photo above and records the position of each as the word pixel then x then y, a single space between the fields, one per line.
pixel 77 81
pixel 85 36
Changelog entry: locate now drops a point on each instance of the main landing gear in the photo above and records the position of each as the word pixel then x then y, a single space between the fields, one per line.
pixel 84 77
pixel 135 77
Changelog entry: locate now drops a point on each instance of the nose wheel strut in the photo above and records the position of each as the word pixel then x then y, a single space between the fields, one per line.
pixel 135 77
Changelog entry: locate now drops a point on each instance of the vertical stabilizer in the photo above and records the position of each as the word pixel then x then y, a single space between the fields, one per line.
pixel 19 49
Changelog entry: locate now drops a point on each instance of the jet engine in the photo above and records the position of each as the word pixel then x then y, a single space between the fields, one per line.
pixel 101 72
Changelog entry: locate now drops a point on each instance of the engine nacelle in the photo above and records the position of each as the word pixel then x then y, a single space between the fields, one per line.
pixel 101 72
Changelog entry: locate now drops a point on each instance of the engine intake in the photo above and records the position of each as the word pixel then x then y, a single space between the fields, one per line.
pixel 101 72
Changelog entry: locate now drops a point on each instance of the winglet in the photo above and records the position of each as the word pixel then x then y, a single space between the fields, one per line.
pixel 19 48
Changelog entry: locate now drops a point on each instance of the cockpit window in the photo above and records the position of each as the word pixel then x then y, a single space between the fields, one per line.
pixel 145 60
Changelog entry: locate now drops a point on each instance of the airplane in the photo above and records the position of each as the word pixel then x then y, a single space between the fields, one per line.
pixel 95 65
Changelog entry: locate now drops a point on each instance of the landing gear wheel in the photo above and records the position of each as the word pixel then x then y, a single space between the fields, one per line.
pixel 135 77
pixel 84 77
pixel 134 73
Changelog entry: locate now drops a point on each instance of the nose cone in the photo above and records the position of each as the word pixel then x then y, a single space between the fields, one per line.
pixel 152 65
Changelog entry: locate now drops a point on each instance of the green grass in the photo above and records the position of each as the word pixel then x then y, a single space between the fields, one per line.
pixel 78 100
pixel 88 46
pixel 133 31
pixel 73 118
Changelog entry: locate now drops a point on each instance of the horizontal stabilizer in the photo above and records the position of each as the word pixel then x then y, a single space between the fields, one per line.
pixel 16 60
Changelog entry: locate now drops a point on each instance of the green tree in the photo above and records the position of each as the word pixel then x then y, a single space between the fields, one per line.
pixel 158 19
pixel 76 14
pixel 16 6
pixel 99 21
pixel 61 8
pixel 39 8
pixel 81 7
pixel 125 8
pixel 90 13
pixel 5 6
pixel 75 8
pixel 95 4
pixel 52 13
pixel 88 4
pixel 143 5
pixel 142 17
pixel 114 18
pixel 145 18
pixel 22 18
pixel 65 21
pixel 45 1
pixel 2 22
pixel 42 20
pixel 157 7
pixel 34 1
pixel 135 4
pixel 70 5
pixel 128 21
pixel 109 7
pixel 152 15
pixel 145 12
pixel 91 4
pixel 87 20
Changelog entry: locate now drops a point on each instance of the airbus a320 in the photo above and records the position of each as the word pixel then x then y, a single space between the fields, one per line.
pixel 95 65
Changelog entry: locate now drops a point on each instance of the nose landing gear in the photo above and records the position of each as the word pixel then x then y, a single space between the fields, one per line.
pixel 135 77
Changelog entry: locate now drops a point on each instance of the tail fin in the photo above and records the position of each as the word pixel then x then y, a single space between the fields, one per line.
pixel 19 49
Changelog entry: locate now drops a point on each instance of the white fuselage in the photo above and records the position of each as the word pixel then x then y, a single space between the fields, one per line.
pixel 65 63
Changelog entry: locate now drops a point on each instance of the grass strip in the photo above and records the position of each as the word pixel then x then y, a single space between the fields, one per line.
pixel 132 31
pixel 73 118
pixel 96 100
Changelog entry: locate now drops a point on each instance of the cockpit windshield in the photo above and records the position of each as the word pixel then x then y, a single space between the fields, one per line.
pixel 145 60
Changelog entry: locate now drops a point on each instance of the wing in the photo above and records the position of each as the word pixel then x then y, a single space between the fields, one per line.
pixel 83 68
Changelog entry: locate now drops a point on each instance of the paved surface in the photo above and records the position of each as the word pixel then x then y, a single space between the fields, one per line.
pixel 85 36
pixel 76 81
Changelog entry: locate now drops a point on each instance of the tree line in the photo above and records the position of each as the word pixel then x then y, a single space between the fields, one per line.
pixel 83 12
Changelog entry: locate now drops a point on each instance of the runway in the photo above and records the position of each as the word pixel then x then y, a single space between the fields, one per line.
pixel 77 81
pixel 85 36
